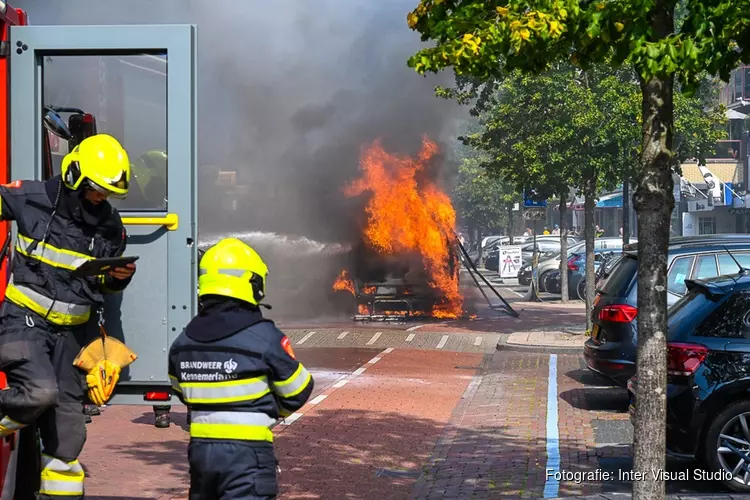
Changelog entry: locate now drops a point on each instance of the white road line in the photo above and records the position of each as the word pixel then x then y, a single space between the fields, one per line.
pixel 552 485
pixel 291 418
pixel 410 337
pixel 512 291
pixel 358 371
pixel 343 334
pixel 305 338
pixel 374 360
pixel 388 351
pixel 340 384
pixel 478 341
pixel 414 328
pixel 374 338
pixel 318 399
pixel 442 342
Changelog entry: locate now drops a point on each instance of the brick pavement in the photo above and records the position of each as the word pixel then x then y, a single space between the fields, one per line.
pixel 495 444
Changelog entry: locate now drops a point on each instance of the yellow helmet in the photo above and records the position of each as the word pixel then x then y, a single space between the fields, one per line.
pixel 233 269
pixel 99 162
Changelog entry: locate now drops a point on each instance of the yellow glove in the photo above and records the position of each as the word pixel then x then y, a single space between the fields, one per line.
pixel 101 380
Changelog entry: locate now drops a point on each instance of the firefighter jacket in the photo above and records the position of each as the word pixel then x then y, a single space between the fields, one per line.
pixel 57 232
pixel 236 373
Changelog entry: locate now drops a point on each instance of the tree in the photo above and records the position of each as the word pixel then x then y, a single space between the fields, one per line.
pixel 485 39
pixel 484 201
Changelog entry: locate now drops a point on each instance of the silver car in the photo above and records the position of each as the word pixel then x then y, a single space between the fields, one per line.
pixel 552 263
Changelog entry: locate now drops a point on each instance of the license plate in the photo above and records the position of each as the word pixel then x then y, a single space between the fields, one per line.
pixel 595 332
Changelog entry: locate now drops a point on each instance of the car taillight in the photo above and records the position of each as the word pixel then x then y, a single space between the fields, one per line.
pixel 157 396
pixel 684 359
pixel 573 263
pixel 618 313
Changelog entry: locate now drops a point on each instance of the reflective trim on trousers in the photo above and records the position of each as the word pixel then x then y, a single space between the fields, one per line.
pixel 60 313
pixel 293 385
pixel 225 392
pixel 231 425
pixel 61 478
pixel 55 257
pixel 8 426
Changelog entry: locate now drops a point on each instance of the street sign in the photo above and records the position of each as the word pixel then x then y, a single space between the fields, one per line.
pixel 529 201
pixel 510 261
pixel 535 213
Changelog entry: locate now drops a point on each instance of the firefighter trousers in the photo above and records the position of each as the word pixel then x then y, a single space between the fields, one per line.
pixel 231 470
pixel 46 390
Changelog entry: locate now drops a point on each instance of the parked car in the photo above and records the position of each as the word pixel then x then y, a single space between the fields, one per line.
pixel 611 349
pixel 547 245
pixel 708 377
pixel 552 263
pixel 577 272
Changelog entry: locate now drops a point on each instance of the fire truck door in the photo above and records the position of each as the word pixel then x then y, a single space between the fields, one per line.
pixel 139 83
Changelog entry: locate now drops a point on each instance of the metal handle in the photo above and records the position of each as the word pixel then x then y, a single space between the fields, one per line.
pixel 170 221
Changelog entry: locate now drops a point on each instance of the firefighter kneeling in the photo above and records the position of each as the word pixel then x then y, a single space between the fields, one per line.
pixel 237 374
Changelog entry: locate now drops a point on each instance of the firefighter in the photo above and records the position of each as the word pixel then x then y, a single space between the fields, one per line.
pixel 237 374
pixel 62 222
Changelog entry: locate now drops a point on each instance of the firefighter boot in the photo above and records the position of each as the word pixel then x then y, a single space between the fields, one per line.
pixel 161 416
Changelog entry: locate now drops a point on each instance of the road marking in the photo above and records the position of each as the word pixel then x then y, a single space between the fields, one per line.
pixel 341 337
pixel 552 485
pixel 478 341
pixel 410 337
pixel 512 291
pixel 414 328
pixel 338 385
pixel 442 342
pixel 305 338
pixel 318 399
pixel 374 338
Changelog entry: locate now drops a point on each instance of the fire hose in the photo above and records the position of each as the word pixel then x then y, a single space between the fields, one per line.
pixel 469 267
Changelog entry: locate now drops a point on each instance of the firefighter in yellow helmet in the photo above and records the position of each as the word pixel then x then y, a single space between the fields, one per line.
pixel 237 374
pixel 150 180
pixel 62 222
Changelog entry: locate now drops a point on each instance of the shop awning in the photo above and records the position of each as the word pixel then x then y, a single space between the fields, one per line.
pixel 612 200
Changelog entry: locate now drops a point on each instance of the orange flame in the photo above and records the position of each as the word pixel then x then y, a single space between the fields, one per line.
pixel 369 290
pixel 343 283
pixel 363 309
pixel 404 216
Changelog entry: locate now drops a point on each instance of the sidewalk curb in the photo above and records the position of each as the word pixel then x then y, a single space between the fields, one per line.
pixel 502 345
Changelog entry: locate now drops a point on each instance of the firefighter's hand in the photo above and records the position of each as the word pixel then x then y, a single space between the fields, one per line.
pixel 122 273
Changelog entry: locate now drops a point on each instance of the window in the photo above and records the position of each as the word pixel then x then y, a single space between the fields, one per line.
pixel 622 276
pixel 127 95
pixel 727 264
pixel 679 271
pixel 706 225
pixel 706 267
pixel 730 320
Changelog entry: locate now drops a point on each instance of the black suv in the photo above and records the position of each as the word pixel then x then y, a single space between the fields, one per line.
pixel 611 349
pixel 708 378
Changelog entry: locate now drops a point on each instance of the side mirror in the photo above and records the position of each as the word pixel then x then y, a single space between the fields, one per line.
pixel 81 126
pixel 55 124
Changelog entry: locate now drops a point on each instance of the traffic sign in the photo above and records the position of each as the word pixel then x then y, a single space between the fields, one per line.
pixel 529 200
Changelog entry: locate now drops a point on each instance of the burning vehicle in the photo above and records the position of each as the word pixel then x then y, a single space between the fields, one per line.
pixel 406 263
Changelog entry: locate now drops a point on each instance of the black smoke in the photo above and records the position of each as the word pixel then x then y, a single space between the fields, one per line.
pixel 289 93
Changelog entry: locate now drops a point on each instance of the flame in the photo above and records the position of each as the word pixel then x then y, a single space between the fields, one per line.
pixel 405 215
pixel 343 283
pixel 363 309
pixel 369 290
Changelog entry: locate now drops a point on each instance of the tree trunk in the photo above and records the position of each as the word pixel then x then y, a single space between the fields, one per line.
pixel 563 246
pixel 626 211
pixel 589 232
pixel 510 223
pixel 653 204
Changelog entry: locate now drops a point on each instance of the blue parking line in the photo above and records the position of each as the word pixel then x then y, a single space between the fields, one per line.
pixel 552 484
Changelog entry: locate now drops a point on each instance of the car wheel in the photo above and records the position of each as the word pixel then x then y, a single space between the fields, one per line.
pixel 523 281
pixel 581 289
pixel 727 444
pixel 543 282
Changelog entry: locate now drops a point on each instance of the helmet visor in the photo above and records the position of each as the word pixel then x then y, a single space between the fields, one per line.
pixel 119 183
